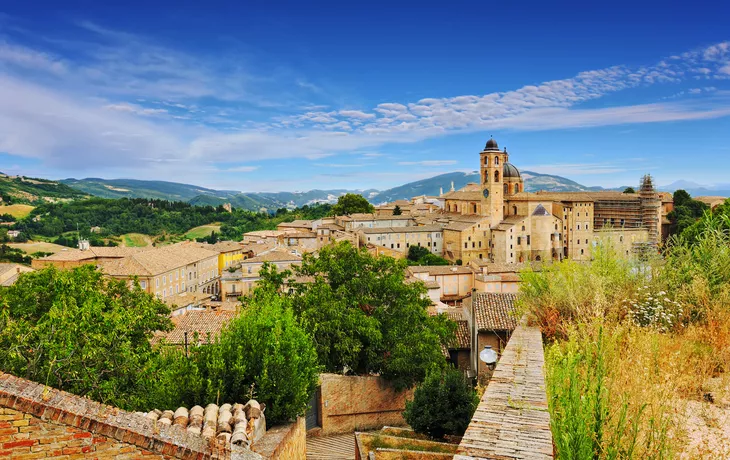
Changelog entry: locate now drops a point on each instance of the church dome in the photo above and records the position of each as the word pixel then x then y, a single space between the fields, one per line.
pixel 491 145
pixel 510 171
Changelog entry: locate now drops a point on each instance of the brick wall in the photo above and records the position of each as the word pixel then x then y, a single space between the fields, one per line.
pixel 350 403
pixel 512 420
pixel 35 417
pixel 23 436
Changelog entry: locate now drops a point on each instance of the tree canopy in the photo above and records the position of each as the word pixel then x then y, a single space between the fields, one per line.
pixel 629 190
pixel 78 331
pixel 397 211
pixel 686 211
pixel 351 203
pixel 363 315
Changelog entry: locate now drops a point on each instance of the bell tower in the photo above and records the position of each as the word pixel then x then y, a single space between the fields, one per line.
pixel 492 162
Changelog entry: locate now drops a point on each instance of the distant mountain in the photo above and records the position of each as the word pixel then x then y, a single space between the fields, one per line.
pixel 132 188
pixel 432 186
pixel 32 190
pixel 695 189
pixel 119 188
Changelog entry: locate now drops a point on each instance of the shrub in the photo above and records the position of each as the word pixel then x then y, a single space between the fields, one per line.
pixel 442 405
pixel 262 353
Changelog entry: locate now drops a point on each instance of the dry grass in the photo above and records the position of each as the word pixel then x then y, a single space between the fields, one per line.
pixel 622 385
pixel 135 240
pixel 202 231
pixel 17 210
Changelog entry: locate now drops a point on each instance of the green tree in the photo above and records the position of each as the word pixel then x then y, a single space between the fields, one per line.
pixel 351 203
pixel 686 211
pixel 263 351
pixel 629 190
pixel 397 211
pixel 416 253
pixel 363 316
pixel 442 405
pixel 80 332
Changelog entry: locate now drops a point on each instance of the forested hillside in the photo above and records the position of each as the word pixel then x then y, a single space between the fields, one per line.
pixel 152 217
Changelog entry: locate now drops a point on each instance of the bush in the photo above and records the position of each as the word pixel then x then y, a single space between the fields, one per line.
pixel 442 405
pixel 262 353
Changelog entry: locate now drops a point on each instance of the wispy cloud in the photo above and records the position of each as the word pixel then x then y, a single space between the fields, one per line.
pixel 428 163
pixel 118 99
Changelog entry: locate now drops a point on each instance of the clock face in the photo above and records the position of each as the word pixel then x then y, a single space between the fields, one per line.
pixel 486 193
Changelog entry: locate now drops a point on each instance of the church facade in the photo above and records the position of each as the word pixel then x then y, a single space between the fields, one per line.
pixel 506 224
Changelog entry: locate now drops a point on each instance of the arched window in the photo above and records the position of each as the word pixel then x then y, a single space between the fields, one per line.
pixel 496 161
pixel 496 176
pixel 506 188
pixel 538 258
pixel 514 210
pixel 486 161
pixel 456 208
pixel 517 188
pixel 486 177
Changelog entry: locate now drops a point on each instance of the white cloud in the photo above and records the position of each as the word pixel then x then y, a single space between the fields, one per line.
pixel 82 119
pixel 356 114
pixel 428 163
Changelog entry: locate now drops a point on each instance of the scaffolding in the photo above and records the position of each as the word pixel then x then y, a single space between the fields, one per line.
pixel 617 212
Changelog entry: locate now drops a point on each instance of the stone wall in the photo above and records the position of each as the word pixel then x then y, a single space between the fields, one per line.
pixel 350 403
pixel 512 420
pixel 285 442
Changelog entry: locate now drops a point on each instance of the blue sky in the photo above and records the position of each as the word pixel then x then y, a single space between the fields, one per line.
pixel 269 96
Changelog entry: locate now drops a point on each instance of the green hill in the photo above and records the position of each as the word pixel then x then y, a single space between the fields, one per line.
pixel 31 190
pixel 132 188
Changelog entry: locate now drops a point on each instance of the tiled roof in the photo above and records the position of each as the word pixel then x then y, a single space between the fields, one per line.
pixel 462 341
pixel 466 196
pixel 204 323
pixel 258 248
pixel 222 246
pixel 273 256
pixel 183 299
pixel 440 269
pixel 412 229
pixel 229 424
pixel 494 311
pixel 297 224
pixel 157 260
pixel 93 253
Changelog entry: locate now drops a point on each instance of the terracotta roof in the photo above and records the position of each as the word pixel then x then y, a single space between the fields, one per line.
pixel 494 311
pixel 93 253
pixel 440 269
pixel 412 229
pixel 222 246
pixel 273 256
pixel 299 223
pixel 183 299
pixel 205 323
pixel 157 260
pixel 182 434
pixel 465 196
pixel 230 424
pixel 258 248
pixel 462 341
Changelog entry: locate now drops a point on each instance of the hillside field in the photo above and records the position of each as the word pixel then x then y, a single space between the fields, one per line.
pixel 17 210
pixel 135 240
pixel 202 231
pixel 38 246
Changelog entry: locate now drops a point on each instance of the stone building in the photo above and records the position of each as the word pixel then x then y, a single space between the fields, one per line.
pixel 518 226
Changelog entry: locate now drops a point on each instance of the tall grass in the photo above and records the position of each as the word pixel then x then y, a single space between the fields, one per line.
pixel 628 343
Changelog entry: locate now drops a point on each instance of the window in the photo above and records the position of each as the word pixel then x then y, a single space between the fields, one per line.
pixel 528 240
pixel 496 176
pixel 519 240
pixel 496 161
pixel 164 280
pixel 581 252
pixel 157 283
pixel 578 226
pixel 466 245
pixel 523 228
pixel 480 244
pixel 392 245
pixel 586 241
pixel 398 245
pixel 143 284
pixel 473 245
